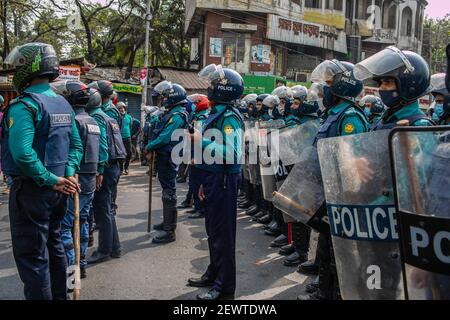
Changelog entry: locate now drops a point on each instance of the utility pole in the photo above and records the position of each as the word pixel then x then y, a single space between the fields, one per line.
pixel 148 18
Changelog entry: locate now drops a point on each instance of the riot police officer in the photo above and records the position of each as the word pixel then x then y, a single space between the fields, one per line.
pixel 78 95
pixel 105 88
pixel 341 117
pixel 221 181
pixel 403 77
pixel 373 108
pixel 201 110
pixel 261 112
pixel 174 100
pixel 41 150
pixel 441 96
pixel 103 204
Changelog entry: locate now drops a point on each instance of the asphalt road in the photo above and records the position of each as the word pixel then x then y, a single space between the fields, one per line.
pixel 149 271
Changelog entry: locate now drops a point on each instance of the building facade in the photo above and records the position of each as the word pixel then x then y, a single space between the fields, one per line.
pixel 290 37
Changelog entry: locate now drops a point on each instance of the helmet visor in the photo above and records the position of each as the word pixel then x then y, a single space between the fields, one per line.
pixel 282 92
pixel 438 81
pixel 60 87
pixel 212 72
pixel 381 63
pixel 326 71
pixel 271 101
pixel 163 86
pixel 15 58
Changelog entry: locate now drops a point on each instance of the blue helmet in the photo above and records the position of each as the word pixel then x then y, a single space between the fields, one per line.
pixel 409 70
pixel 2 100
pixel 226 85
pixel 261 97
pixel 377 106
pixel 172 93
pixel 299 92
pixel 343 82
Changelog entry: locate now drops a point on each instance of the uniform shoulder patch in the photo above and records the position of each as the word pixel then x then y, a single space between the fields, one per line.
pixel 11 122
pixel 349 127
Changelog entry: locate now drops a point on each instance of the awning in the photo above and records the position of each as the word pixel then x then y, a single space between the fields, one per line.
pixel 187 79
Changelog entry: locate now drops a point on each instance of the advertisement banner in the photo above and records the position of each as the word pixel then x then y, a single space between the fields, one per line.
pixel 69 73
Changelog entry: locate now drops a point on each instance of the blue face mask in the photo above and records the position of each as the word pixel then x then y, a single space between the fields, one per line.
pixel 390 97
pixel 438 111
pixel 367 111
pixel 328 97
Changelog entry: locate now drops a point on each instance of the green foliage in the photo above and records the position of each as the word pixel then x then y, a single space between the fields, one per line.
pixel 436 36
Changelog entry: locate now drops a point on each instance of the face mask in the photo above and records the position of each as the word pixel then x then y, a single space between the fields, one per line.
pixel 328 97
pixel 389 97
pixel 438 111
pixel 367 111
pixel 281 108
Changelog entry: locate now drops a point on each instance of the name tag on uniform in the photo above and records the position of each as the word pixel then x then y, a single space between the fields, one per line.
pixel 60 119
pixel 92 128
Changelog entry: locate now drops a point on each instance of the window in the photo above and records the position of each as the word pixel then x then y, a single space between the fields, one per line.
pixel 349 9
pixel 392 17
pixel 338 5
pixel 317 4
pixel 296 2
pixel 233 48
pixel 328 4
pixel 406 29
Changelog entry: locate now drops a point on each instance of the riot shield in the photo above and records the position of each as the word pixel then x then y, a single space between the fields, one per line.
pixel 265 130
pixel 251 160
pixel 301 195
pixel 421 174
pixel 358 189
pixel 248 127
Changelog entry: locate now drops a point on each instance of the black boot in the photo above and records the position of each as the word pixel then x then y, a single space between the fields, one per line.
pixel 279 242
pixel 287 250
pixel 300 240
pixel 169 219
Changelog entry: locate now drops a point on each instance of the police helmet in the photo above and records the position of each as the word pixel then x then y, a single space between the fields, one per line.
pixel 343 82
pixel 299 92
pixel 409 70
pixel 172 94
pixel 103 86
pixel 282 92
pixel 95 99
pixel 226 85
pixel 377 106
pixel 271 101
pixel 75 92
pixel 30 61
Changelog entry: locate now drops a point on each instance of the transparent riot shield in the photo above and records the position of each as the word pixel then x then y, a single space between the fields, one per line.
pixel 248 126
pixel 268 131
pixel 357 181
pixel 421 174
pixel 301 195
pixel 251 158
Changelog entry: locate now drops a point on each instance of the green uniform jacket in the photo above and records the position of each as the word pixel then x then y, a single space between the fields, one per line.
pixel 126 126
pixel 176 122
pixel 21 124
pixel 231 128
pixel 103 155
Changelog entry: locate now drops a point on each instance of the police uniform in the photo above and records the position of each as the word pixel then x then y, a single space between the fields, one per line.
pixel 175 118
pixel 340 120
pixel 195 175
pixel 104 212
pixel 126 138
pixel 220 184
pixel 89 167
pixel 45 145
pixel 135 136
pixel 410 112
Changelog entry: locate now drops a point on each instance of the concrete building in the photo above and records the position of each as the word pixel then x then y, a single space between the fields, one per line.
pixel 290 37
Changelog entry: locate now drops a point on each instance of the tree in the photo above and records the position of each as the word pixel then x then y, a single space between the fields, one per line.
pixel 436 36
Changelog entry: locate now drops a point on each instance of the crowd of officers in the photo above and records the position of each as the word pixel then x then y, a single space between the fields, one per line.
pixel 60 138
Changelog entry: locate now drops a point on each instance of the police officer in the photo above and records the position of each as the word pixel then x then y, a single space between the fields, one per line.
pixel 103 210
pixel 261 112
pixel 221 181
pixel 201 110
pixel 270 103
pixel 176 117
pixel 41 150
pixel 151 118
pixel 126 135
pixel 341 117
pixel 105 88
pixel 403 77
pixel 78 95
pixel 373 108
pixel 441 114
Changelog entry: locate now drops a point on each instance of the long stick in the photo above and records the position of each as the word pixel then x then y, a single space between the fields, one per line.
pixel 76 244
pixel 150 189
